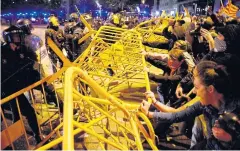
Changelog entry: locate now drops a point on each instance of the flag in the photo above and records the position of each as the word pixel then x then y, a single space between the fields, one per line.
pixel 230 9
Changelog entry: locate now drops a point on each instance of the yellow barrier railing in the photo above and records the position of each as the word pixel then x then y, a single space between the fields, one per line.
pixel 113 58
pixel 120 49
pixel 71 74
pixel 46 115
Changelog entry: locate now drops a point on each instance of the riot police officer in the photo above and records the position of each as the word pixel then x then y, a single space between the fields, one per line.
pixel 35 43
pixel 73 32
pixel 56 34
pixel 17 72
pixel 43 64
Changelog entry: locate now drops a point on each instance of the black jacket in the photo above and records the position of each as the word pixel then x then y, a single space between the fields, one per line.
pixel 17 69
pixel 169 82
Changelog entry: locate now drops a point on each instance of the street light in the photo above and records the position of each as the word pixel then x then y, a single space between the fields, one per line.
pixel 195 7
pixel 100 8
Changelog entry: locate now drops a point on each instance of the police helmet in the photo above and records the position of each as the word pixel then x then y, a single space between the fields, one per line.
pixel 53 21
pixel 74 17
pixel 116 19
pixel 25 25
pixel 13 34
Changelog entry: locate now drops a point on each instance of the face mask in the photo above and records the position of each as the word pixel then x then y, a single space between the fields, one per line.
pixel 220 45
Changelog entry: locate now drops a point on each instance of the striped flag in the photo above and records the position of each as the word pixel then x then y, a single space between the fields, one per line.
pixel 230 9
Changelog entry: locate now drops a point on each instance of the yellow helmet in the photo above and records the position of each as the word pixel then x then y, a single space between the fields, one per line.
pixel 116 19
pixel 53 21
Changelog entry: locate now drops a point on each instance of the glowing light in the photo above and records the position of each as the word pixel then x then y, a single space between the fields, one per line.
pixel 33 19
pixel 138 9
pixel 98 5
pixel 157 13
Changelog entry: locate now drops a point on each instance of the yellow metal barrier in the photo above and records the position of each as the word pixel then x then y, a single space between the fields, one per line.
pixel 46 115
pixel 129 115
pixel 113 59
pixel 122 43
pixel 117 50
pixel 114 64
pixel 148 30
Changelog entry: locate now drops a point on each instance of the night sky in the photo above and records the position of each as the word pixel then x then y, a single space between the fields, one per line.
pixel 6 4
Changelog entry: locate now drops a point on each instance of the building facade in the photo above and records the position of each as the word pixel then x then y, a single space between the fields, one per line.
pixel 172 6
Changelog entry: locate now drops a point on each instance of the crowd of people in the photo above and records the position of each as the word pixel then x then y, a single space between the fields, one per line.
pixel 202 60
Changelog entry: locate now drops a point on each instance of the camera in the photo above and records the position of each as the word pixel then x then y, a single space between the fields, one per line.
pixel 230 122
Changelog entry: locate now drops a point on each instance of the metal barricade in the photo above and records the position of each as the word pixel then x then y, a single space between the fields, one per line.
pixel 120 48
pixel 111 64
pixel 109 122
pixel 114 59
pixel 47 116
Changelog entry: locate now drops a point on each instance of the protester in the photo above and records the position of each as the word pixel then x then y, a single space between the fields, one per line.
pixel 213 85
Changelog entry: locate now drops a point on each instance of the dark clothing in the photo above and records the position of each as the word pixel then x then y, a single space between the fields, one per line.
pixel 58 38
pixel 72 34
pixel 199 50
pixel 168 82
pixel 214 18
pixel 229 60
pixel 18 65
pixel 210 115
pixel 17 73
pixel 170 36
